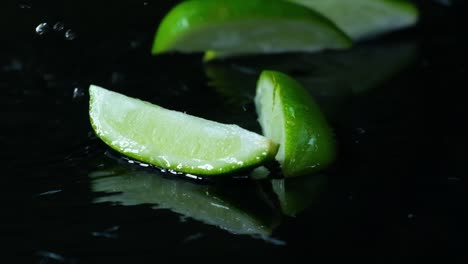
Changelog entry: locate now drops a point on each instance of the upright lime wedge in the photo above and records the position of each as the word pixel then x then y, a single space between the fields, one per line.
pixel 366 18
pixel 210 204
pixel 236 27
pixel 174 140
pixel 289 115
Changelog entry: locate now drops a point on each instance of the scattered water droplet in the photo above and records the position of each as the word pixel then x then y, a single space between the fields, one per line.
pixel 42 28
pixel 410 216
pixel 360 131
pixel 70 35
pixel 50 192
pixel 193 237
pixel 59 26
pixel 25 6
pixel 444 2
pixel 15 65
pixel 145 3
pixel 117 77
pixel 108 233
pixel 134 44
pixel 48 76
pixel 78 93
pixel 451 178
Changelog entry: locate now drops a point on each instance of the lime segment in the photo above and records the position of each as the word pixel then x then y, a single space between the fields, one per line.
pixel 236 27
pixel 366 18
pixel 290 116
pixel 174 140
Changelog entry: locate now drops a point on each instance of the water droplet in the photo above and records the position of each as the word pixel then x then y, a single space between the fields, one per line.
pixel 78 93
pixel 59 26
pixel 117 77
pixel 70 35
pixel 193 237
pixel 134 44
pixel 410 216
pixel 42 28
pixel 25 6
pixel 360 131
pixel 145 3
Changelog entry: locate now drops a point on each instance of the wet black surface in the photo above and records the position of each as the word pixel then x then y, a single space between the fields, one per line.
pixel 394 193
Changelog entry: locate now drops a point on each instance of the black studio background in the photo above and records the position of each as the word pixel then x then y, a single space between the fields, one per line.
pixel 397 197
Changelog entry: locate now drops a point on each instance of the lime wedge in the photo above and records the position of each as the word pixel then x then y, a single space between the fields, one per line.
pixel 289 115
pixel 209 204
pixel 366 18
pixel 236 27
pixel 174 140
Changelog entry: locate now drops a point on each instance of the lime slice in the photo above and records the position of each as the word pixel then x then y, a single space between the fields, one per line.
pixel 366 18
pixel 289 115
pixel 210 204
pixel 236 27
pixel 174 140
pixel 296 194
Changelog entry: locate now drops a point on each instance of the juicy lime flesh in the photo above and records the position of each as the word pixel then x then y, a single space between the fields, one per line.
pixel 189 199
pixel 174 140
pixel 240 27
pixel 270 115
pixel 289 116
pixel 365 18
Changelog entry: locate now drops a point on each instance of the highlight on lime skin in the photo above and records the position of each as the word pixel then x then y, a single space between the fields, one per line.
pixel 173 140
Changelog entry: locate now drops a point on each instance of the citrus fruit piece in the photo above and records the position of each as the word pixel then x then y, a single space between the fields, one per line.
pixel 210 204
pixel 174 140
pixel 290 116
pixel 236 27
pixel 362 19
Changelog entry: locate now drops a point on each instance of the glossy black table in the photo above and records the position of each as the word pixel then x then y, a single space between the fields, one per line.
pixel 396 103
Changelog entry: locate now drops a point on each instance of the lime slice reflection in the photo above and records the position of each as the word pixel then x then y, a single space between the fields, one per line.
pixel 296 194
pixel 236 208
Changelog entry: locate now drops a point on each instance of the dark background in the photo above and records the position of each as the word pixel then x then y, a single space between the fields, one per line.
pixel 395 192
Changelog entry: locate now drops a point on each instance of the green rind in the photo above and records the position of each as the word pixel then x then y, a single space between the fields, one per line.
pixel 182 27
pixel 173 140
pixel 204 203
pixel 362 19
pixel 290 116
